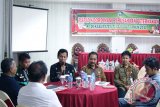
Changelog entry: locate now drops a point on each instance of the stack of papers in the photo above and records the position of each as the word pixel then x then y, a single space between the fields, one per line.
pixel 108 86
pixel 102 83
pixel 56 88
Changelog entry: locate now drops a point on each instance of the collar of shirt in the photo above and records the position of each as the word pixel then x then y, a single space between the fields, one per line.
pixel 36 84
pixel 6 76
pixel 129 65
pixel 96 66
pixel 59 65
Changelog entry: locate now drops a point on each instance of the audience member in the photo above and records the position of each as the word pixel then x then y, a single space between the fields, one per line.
pixel 125 74
pixel 8 83
pixel 22 72
pixel 35 93
pixel 152 66
pixel 61 67
pixel 93 67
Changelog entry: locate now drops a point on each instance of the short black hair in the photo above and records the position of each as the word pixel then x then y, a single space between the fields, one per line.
pixel 126 53
pixel 23 56
pixel 6 65
pixel 62 51
pixel 36 71
pixel 152 62
pixel 92 53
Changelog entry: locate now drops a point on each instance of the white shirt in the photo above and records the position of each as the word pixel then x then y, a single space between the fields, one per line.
pixel 36 95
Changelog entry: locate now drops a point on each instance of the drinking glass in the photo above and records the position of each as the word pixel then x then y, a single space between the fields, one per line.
pixel 66 77
pixel 92 86
pixel 62 79
pixel 89 78
pixel 78 82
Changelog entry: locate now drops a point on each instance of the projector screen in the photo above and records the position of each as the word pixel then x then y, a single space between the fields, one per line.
pixel 29 29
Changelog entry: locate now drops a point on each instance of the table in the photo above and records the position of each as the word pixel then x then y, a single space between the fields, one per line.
pixel 136 58
pixel 109 75
pixel 100 97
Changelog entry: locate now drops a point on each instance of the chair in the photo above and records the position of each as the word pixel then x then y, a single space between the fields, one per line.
pixel 76 49
pixel 21 105
pixel 155 49
pixel 102 48
pixel 158 104
pixel 2 103
pixel 131 47
pixel 48 78
pixel 142 72
pixel 6 99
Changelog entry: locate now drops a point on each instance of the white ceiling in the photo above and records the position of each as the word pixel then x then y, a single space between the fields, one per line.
pixel 103 1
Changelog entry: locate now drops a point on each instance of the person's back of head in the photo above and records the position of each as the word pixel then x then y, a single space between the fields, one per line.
pixel 152 62
pixel 6 65
pixel 37 71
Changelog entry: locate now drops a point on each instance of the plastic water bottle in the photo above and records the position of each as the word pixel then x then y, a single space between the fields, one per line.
pixel 70 80
pixel 113 65
pixel 116 63
pixel 107 64
pixel 153 50
pixel 84 80
pixel 92 81
pixel 131 79
pixel 93 77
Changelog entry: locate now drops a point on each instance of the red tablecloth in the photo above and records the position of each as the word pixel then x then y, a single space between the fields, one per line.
pixel 109 75
pixel 100 97
pixel 136 58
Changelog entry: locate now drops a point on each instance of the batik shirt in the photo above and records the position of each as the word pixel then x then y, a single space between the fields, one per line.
pixel 124 76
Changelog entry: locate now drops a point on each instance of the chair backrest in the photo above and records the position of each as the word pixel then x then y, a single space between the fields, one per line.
pixel 6 99
pixel 131 46
pixel 76 49
pixel 2 103
pixel 158 104
pixel 48 78
pixel 155 49
pixel 142 72
pixel 102 48
pixel 21 105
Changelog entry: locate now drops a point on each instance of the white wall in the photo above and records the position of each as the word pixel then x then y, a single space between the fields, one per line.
pixel 1 28
pixel 59 35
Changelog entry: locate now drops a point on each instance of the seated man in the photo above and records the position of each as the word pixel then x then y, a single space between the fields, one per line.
pixel 125 74
pixel 35 93
pixel 8 84
pixel 61 67
pixel 152 66
pixel 22 72
pixel 93 67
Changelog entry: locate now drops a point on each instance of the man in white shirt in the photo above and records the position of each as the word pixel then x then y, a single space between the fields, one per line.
pixel 35 93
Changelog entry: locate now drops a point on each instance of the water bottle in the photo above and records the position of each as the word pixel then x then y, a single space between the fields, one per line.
pixel 92 81
pixel 113 65
pixel 107 64
pixel 153 50
pixel 70 80
pixel 82 73
pixel 93 77
pixel 84 80
pixel 116 63
pixel 131 79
